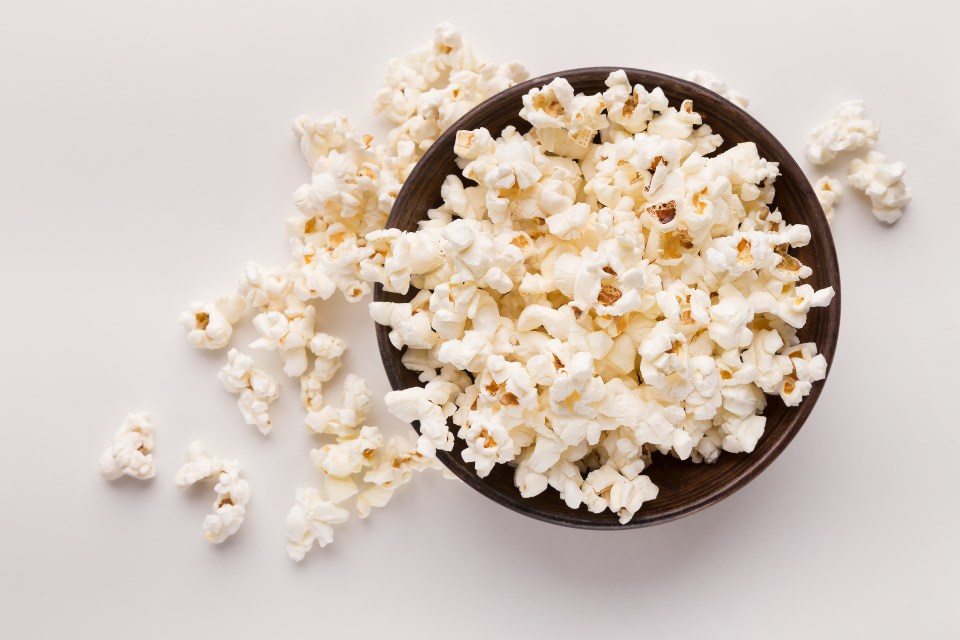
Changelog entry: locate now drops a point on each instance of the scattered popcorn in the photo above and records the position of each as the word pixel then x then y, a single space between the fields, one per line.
pixel 846 130
pixel 209 326
pixel 337 243
pixel 611 288
pixel 347 419
pixel 354 182
pixel 287 332
pixel 327 350
pixel 233 492
pixel 257 389
pixel 429 88
pixel 883 183
pixel 264 289
pixel 420 404
pixel 310 520
pixel 828 193
pixel 392 466
pixel 131 452
pixel 715 84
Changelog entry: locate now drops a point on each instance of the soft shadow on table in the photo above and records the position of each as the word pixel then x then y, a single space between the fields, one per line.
pixel 671 551
pixel 128 484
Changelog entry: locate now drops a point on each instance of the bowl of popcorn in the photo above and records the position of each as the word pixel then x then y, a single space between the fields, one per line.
pixel 605 298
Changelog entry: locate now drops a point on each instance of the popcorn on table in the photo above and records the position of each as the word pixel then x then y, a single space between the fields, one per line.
pixel 337 243
pixel 715 84
pixel 256 388
pixel 209 326
pixel 354 181
pixel 233 492
pixel 846 130
pixel 828 193
pixel 882 182
pixel 582 305
pixel 310 520
pixel 348 418
pixel 131 452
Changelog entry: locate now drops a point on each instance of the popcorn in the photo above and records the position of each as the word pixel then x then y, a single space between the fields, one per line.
pixel 847 129
pixel 264 289
pixel 883 183
pixel 327 350
pixel 741 434
pixel 828 193
pixel 807 367
pixel 310 520
pixel 392 466
pixel 233 492
pixel 257 389
pixel 631 107
pixel 712 82
pixel 608 300
pixel 347 457
pixel 606 488
pixel 338 241
pixel 565 122
pixel 131 452
pixel 287 332
pixel 209 326
pixel 416 404
pixel 348 418
pixel 429 88
pixel 411 327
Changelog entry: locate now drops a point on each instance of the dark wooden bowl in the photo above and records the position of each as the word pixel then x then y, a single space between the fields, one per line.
pixel 685 487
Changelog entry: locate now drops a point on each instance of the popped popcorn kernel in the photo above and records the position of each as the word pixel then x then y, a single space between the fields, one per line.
pixel 882 182
pixel 131 452
pixel 846 130
pixel 233 492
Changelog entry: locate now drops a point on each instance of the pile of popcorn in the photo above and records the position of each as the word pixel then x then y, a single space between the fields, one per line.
pixel 350 193
pixel 583 305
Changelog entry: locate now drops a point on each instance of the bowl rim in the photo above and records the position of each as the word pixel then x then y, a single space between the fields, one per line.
pixel 578 518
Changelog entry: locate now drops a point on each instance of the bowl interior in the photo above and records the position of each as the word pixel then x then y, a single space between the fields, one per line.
pixel 685 487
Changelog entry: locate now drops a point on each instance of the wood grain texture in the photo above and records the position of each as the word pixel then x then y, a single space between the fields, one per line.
pixel 684 487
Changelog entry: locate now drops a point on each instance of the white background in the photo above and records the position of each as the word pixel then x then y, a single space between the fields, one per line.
pixel 146 154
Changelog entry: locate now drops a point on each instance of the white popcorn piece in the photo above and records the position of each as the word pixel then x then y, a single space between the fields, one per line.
pixel 311 520
pixel 846 130
pixel 429 88
pixel 256 388
pixel 233 492
pixel 393 465
pixel 210 326
pixel 606 488
pixel 328 350
pixel 287 332
pixel 264 289
pixel 715 84
pixel 349 455
pixel 828 193
pixel 416 404
pixel 131 452
pixel 343 421
pixel 566 122
pixel 882 182
pixel 411 327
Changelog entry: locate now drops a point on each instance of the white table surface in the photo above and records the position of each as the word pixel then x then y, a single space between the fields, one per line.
pixel 146 154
